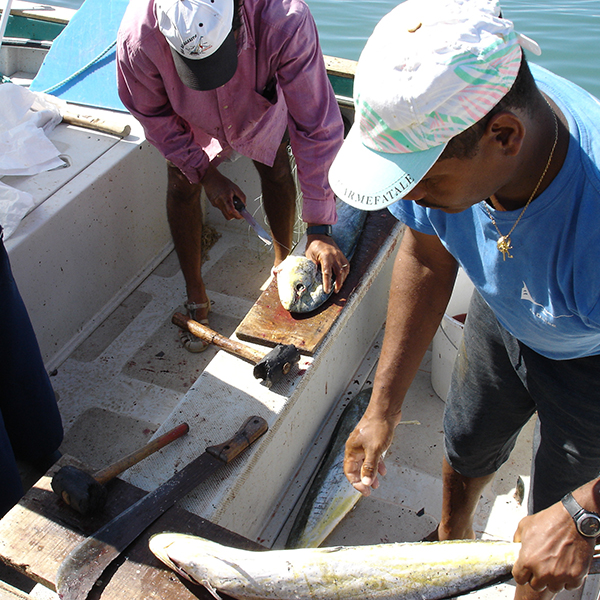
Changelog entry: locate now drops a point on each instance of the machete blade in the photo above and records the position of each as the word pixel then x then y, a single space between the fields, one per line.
pixel 84 565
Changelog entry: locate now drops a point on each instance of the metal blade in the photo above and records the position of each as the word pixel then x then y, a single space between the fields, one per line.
pixel 83 566
pixel 241 208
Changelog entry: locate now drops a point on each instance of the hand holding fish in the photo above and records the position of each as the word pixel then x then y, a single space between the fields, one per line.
pixel 365 448
pixel 553 555
pixel 221 191
pixel 323 251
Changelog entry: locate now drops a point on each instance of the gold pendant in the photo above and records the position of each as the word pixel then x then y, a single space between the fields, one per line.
pixel 504 246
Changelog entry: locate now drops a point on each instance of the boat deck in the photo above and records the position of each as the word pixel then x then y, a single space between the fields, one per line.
pixel 118 387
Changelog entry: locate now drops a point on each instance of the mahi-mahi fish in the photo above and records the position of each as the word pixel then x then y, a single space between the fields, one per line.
pixel 409 571
pixel 300 282
pixel 330 496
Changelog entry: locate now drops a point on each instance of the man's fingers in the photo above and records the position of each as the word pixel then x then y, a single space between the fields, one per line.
pixel 326 280
pixel 365 490
pixel 341 276
pixel 369 470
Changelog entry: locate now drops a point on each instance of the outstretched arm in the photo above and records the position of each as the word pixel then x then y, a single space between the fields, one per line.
pixel 422 282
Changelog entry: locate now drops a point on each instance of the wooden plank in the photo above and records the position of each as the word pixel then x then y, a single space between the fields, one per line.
pixel 341 67
pixel 270 324
pixel 43 12
pixel 7 592
pixel 38 533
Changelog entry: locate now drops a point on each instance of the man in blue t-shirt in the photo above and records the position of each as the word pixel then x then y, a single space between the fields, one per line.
pixel 493 166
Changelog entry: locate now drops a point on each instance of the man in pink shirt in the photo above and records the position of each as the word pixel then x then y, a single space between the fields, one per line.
pixel 207 78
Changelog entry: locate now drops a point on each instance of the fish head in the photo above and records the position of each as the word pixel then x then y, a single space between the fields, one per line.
pixel 186 555
pixel 300 285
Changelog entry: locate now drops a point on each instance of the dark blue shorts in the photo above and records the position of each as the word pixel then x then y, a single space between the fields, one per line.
pixel 30 423
pixel 497 385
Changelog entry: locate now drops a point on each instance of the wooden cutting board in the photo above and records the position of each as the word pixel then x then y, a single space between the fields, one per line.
pixel 38 533
pixel 270 324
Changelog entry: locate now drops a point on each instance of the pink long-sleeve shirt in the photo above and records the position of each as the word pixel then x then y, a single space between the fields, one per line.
pixel 278 42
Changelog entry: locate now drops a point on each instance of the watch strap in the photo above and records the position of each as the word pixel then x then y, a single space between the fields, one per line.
pixel 318 230
pixel 577 511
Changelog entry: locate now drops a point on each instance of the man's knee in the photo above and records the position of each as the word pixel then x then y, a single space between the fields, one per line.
pixel 179 189
pixel 281 172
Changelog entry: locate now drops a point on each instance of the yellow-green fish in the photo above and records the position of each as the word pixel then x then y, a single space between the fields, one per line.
pixel 331 496
pixel 411 571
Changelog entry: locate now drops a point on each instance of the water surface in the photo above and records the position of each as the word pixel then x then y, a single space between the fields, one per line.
pixel 567 30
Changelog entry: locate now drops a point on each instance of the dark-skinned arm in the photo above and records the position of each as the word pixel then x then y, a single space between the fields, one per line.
pixel 422 282
pixel 554 555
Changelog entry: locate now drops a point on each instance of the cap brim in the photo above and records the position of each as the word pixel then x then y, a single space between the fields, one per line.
pixel 211 72
pixel 371 180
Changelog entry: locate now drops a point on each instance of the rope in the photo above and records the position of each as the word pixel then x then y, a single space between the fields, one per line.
pixel 80 71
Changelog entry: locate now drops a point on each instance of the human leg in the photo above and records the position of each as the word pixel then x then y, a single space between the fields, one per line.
pixel 486 408
pixel 30 423
pixel 279 200
pixel 185 221
pixel 12 488
pixel 459 502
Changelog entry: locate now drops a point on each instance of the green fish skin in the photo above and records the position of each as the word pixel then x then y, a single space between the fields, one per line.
pixel 411 571
pixel 330 497
pixel 299 282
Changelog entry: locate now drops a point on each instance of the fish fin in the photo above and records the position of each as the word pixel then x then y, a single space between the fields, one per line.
pixel 213 592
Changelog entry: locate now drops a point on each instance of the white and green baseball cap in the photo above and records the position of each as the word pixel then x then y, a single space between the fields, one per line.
pixel 430 70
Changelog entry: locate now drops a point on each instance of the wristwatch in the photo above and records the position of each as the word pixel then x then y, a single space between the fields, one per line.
pixel 318 230
pixel 587 522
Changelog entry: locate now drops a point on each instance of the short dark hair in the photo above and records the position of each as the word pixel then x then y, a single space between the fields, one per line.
pixel 521 95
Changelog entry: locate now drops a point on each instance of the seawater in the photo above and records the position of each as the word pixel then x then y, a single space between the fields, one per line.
pixel 568 31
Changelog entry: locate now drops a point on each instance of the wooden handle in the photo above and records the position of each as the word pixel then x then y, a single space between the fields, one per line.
pixel 97 124
pixel 113 470
pixel 250 431
pixel 212 337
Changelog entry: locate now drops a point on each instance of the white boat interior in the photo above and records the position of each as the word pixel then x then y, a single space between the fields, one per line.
pixel 95 266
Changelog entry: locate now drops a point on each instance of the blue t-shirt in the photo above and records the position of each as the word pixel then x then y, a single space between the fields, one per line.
pixel 548 294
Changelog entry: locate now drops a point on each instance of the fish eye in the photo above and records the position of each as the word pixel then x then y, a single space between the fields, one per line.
pixel 300 287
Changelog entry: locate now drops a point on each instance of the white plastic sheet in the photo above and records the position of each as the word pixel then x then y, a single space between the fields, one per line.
pixel 25 119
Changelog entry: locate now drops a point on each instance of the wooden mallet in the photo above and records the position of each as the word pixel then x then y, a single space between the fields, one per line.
pixel 269 366
pixel 87 493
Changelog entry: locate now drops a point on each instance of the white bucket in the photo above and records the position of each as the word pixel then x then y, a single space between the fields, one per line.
pixel 449 334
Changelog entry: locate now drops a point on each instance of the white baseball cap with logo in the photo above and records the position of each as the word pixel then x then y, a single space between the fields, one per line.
pixel 430 70
pixel 201 38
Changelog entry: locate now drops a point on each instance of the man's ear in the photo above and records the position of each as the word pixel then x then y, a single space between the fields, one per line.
pixel 506 131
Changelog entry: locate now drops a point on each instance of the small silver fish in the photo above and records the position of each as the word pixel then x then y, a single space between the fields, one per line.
pixel 330 496
pixel 411 571
pixel 300 282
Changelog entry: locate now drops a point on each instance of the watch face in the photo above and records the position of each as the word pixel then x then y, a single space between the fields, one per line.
pixel 589 525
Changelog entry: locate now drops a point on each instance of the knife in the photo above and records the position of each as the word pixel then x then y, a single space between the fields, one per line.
pixel 241 208
pixel 84 565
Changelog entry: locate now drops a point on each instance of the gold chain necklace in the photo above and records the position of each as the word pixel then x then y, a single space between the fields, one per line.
pixel 504 243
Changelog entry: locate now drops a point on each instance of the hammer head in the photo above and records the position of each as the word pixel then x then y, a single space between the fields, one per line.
pixel 79 490
pixel 276 363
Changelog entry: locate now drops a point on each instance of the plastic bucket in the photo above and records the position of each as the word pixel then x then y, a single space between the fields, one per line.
pixel 449 334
